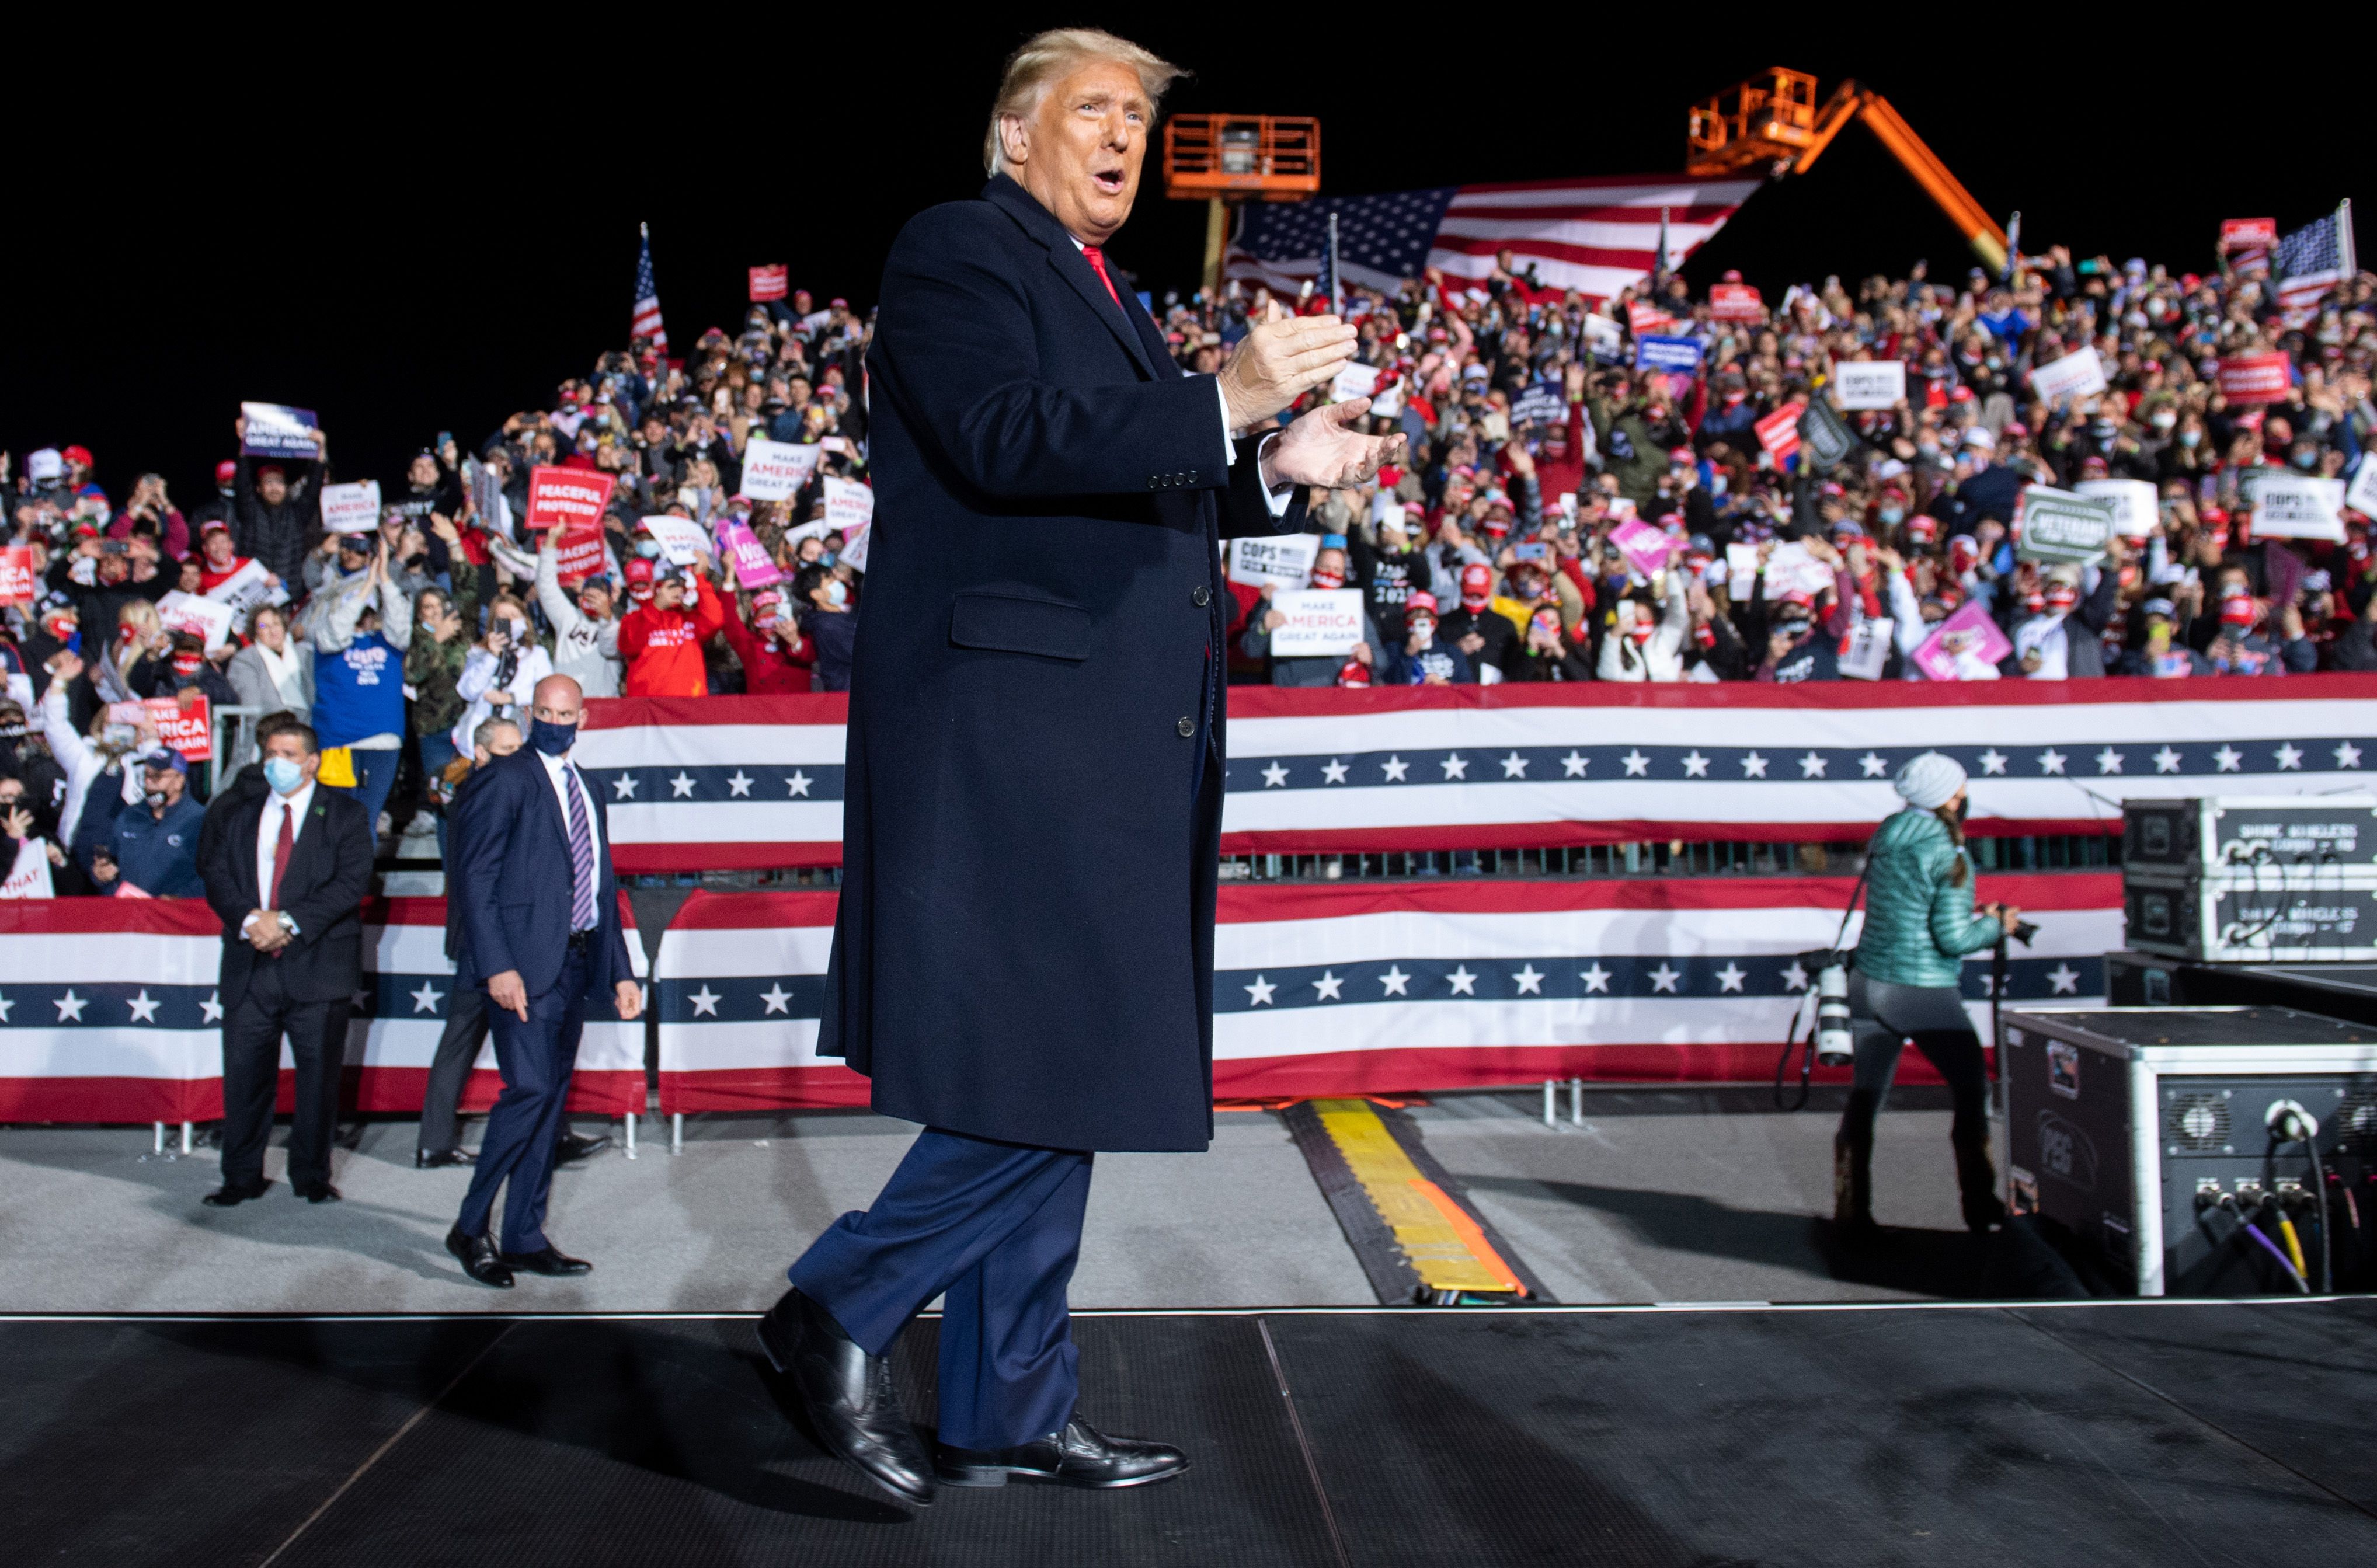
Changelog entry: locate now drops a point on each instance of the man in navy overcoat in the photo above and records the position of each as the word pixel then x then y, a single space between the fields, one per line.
pixel 1023 960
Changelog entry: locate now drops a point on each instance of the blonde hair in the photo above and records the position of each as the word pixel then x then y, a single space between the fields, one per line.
pixel 1046 58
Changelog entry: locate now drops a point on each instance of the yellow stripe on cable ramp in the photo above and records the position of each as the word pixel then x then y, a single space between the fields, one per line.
pixel 1445 1246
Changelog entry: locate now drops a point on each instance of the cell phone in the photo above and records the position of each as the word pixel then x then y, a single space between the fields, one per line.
pixel 116 547
pixel 443 437
pixel 1533 550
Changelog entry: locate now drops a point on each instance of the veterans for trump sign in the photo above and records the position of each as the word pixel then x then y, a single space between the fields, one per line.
pixel 2058 526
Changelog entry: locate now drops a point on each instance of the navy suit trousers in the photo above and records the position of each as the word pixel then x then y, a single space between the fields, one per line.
pixel 525 1129
pixel 995 1226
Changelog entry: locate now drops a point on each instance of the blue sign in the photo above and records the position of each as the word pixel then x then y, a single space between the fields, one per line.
pixel 276 430
pixel 1677 356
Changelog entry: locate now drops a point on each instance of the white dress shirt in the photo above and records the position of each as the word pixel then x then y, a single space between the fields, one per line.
pixel 267 835
pixel 556 769
pixel 1276 496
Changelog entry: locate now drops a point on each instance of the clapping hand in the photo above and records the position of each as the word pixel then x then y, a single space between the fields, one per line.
pixel 1326 447
pixel 1281 359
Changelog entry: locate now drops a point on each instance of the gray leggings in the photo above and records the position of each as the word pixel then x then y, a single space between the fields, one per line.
pixel 1884 1016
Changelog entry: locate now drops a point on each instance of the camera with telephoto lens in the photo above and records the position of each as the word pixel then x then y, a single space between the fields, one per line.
pixel 1835 1046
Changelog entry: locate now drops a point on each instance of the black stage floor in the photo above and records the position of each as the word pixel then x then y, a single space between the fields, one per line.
pixel 2097 1435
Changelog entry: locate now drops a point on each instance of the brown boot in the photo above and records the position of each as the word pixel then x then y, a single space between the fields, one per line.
pixel 1976 1175
pixel 1853 1171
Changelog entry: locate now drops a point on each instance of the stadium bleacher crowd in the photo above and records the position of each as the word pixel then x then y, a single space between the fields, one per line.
pixel 1508 548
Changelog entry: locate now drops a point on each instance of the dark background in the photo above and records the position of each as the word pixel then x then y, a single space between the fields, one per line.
pixel 427 241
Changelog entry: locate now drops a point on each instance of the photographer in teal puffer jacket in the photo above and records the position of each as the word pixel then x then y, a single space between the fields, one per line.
pixel 1919 925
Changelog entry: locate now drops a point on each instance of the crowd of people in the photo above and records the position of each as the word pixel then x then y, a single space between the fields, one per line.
pixel 1499 550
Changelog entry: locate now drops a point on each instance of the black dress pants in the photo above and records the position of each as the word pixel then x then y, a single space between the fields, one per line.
pixel 252 1034
pixel 449 1071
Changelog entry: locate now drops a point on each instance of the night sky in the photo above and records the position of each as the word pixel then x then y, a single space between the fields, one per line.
pixel 406 259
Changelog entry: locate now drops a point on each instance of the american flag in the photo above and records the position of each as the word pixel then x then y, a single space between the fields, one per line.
pixel 2313 259
pixel 646 322
pixel 1596 235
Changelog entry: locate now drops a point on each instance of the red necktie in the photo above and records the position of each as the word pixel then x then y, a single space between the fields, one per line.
pixel 1097 259
pixel 280 848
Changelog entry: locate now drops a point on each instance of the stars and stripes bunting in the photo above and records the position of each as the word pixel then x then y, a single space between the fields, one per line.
pixel 1597 235
pixel 130 1029
pixel 1378 988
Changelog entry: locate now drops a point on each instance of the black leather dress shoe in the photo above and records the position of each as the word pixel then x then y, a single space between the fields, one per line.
pixel 574 1149
pixel 439 1159
pixel 1080 1456
pixel 233 1193
pixel 848 1397
pixel 479 1258
pixel 319 1193
pixel 546 1259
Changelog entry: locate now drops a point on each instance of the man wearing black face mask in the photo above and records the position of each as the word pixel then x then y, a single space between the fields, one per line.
pixel 527 828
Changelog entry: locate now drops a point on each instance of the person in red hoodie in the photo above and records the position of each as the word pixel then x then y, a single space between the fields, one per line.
pixel 776 658
pixel 661 640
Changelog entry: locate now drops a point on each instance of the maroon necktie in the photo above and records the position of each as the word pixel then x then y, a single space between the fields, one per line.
pixel 280 848
pixel 1097 259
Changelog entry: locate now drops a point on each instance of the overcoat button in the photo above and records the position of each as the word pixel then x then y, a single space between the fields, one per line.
pixel 1201 595
pixel 1187 726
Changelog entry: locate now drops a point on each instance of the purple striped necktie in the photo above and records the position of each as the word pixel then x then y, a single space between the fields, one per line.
pixel 582 855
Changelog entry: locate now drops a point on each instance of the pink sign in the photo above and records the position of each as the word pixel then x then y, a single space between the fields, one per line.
pixel 1644 546
pixel 752 567
pixel 1965 647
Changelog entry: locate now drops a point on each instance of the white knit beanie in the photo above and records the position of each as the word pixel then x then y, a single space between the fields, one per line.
pixel 1930 781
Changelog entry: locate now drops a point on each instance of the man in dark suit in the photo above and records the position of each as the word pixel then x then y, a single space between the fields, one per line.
pixel 540 925
pixel 1052 493
pixel 287 876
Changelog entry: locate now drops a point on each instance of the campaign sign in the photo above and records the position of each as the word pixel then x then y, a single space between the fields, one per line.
pixel 209 618
pixel 1644 546
pixel 189 730
pixel 849 505
pixel 1869 650
pixel 2132 501
pixel 1677 356
pixel 2256 234
pixel 1354 381
pixel 854 548
pixel 682 539
pixel 775 470
pixel 2254 378
pixel 1644 318
pixel 769 284
pixel 1792 570
pixel 1965 647
pixel 2362 496
pixel 350 508
pixel 1779 431
pixel 1826 438
pixel 2298 506
pixel 247 590
pixel 753 568
pixel 1320 621
pixel 1869 383
pixel 574 496
pixel 2078 375
pixel 2058 526
pixel 275 429
pixel 1542 403
pixel 19 583
pixel 1735 301
pixel 1280 560
pixel 1604 339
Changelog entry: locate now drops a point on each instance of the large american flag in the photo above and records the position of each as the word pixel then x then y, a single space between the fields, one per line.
pixel 2314 259
pixel 646 322
pixel 1596 236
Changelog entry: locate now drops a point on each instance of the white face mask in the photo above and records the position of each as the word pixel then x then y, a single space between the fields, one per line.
pixel 837 593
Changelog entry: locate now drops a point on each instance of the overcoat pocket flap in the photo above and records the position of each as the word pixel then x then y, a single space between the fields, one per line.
pixel 1019 623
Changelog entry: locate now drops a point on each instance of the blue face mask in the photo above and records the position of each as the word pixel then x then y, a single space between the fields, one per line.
pixel 553 740
pixel 282 775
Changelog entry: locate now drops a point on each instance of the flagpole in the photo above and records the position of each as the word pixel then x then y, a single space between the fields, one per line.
pixel 1336 283
pixel 1659 273
pixel 2344 241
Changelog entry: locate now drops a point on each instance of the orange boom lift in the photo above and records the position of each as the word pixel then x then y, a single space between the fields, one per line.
pixel 1229 159
pixel 1772 120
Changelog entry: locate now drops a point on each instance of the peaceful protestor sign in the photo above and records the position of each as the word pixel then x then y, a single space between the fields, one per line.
pixel 276 430
pixel 777 471
pixel 2254 378
pixel 575 497
pixel 350 508
pixel 1869 383
pixel 1319 622
pixel 2056 525
pixel 769 284
pixel 2132 501
pixel 2078 375
pixel 1281 561
pixel 2298 506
